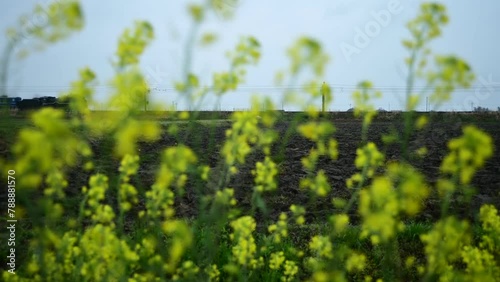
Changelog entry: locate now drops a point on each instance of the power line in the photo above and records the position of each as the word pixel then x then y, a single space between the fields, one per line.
pixel 348 87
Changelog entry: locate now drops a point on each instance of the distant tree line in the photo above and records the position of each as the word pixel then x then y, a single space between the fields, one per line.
pixel 18 103
pixel 482 109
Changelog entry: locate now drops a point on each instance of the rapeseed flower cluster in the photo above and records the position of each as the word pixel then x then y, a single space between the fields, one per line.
pixel 368 159
pixel 298 213
pixel 423 29
pixel 241 136
pixel 132 44
pixel 225 197
pixel 379 206
pixel 321 247
pixel 247 52
pixel 355 262
pixel 401 190
pixel 410 185
pixel 172 171
pixel 50 145
pixel 246 132
pixel 340 222
pixel 61 20
pixel 318 132
pixel 443 245
pixel 95 254
pixel 181 238
pixel 127 194
pixel 80 98
pixel 362 97
pixel 245 248
pixel 276 260
pixel 265 173
pixel 104 254
pixel 95 194
pixel 279 230
pixel 481 265
pixel 187 271
pixel 213 272
pixel 467 154
pixel 129 166
pixel 319 185
pixel 490 221
pixel 452 73
pixel 55 184
pixel 291 269
pixel 482 261
pixel 307 52
pixel 59 257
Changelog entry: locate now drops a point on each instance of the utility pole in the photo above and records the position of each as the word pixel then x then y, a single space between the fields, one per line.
pixel 323 104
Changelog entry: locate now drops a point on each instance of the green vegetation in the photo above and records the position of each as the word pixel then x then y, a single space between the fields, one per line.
pixel 110 227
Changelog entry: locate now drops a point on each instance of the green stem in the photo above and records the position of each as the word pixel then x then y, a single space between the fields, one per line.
pixel 447 198
pixel 364 133
pixel 357 189
pixel 408 116
pixel 188 56
pixel 5 67
pixel 391 261
pixel 82 210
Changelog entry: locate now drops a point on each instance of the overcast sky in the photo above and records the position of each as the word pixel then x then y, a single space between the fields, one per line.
pixel 276 24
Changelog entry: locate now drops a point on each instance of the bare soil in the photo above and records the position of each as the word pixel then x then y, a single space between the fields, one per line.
pixel 208 141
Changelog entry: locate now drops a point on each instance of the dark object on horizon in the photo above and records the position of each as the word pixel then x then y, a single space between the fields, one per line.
pixel 481 109
pixel 29 104
pixel 48 100
pixel 9 102
pixel 34 103
pixel 350 110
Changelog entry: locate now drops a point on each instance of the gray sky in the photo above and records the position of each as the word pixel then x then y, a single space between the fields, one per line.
pixel 276 24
